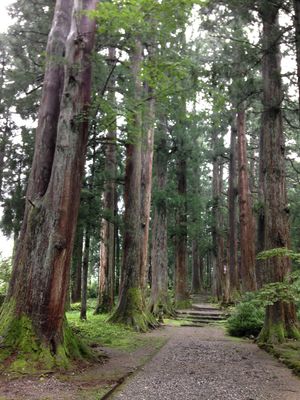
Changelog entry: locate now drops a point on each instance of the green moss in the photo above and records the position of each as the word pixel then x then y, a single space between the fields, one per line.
pixel 134 313
pixel 97 330
pixel 183 304
pixel 22 350
pixel 273 334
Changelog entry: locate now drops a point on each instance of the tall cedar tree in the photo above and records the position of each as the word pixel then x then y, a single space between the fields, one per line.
pixel 159 300
pixel 108 232
pixel 131 307
pixel 32 316
pixel 247 235
pixel 280 319
pixel 234 281
pixel 297 34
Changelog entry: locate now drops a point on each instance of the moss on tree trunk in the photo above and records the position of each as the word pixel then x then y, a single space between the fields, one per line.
pixel 131 311
pixel 23 350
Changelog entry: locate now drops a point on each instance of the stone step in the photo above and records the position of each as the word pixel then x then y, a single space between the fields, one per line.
pixel 201 307
pixel 201 317
pixel 200 313
pixel 200 321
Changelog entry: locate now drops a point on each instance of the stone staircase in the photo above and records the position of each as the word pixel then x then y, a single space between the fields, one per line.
pixel 201 313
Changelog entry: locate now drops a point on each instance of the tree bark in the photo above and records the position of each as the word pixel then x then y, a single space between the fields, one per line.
pixel 297 34
pixel 85 269
pixel 220 272
pixel 35 304
pixel 181 265
pixel 247 235
pixel 146 182
pixel 107 235
pixel 131 307
pixel 159 300
pixel 197 268
pixel 234 281
pixel 280 319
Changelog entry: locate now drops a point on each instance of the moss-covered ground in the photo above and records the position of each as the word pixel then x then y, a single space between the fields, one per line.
pixel 288 353
pixel 121 350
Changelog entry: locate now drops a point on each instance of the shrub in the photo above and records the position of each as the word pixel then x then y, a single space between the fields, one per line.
pixel 246 320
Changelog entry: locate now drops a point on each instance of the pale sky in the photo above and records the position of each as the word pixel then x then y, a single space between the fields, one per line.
pixel 4 19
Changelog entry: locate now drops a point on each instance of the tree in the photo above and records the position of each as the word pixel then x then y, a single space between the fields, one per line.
pixel 32 317
pixel 280 319
pixel 247 238
pixel 159 299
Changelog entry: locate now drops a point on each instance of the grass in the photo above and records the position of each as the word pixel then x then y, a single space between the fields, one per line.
pixel 97 331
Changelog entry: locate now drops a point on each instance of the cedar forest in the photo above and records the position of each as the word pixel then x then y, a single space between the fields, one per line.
pixel 149 150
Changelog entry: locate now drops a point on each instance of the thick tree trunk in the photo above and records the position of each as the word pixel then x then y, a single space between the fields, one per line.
pixel 159 300
pixel 77 266
pixel 181 265
pixel 297 34
pixel 280 320
pixel 131 307
pixel 107 235
pixel 146 183
pixel 234 281
pixel 34 309
pixel 247 235
pixel 85 270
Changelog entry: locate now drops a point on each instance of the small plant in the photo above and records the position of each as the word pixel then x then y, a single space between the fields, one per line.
pixel 247 319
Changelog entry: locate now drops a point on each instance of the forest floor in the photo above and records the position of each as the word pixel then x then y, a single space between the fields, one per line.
pixel 170 363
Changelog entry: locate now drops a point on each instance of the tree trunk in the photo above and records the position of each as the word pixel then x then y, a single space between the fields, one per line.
pixel 159 300
pixel 234 281
pixel 131 307
pixel 107 235
pixel 146 183
pixel 297 34
pixel 181 265
pixel 217 226
pixel 280 319
pixel 33 314
pixel 247 236
pixel 77 266
pixel 85 269
pixel 197 268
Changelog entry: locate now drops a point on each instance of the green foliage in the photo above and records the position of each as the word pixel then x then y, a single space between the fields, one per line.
pixel 5 271
pixel 247 318
pixel 96 329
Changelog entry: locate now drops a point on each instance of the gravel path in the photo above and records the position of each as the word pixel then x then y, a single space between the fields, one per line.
pixel 203 364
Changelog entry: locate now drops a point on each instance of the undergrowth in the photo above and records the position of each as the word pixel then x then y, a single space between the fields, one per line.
pixel 247 318
pixel 98 332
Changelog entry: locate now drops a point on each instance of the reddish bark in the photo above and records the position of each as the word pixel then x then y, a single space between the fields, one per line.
pixel 107 235
pixel 131 307
pixel 247 235
pixel 42 264
pixel 159 301
pixel 297 34
pixel 234 282
pixel 280 320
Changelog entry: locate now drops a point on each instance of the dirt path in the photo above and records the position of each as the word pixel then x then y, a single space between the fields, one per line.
pixel 204 364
